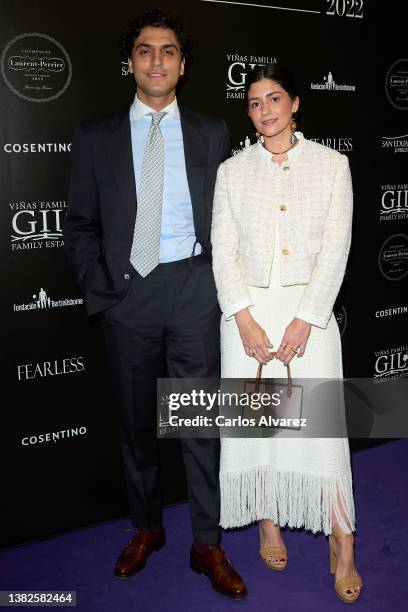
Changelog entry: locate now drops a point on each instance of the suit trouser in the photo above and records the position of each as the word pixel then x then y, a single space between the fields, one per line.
pixel 167 322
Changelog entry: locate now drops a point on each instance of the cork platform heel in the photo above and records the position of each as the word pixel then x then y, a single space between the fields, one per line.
pixel 344 586
pixel 274 551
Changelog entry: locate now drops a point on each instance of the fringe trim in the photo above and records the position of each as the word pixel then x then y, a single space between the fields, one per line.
pixel 290 498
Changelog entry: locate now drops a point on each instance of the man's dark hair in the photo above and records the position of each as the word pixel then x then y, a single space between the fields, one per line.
pixel 156 19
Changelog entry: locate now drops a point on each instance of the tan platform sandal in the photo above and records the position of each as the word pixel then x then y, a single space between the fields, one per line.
pixel 342 585
pixel 274 551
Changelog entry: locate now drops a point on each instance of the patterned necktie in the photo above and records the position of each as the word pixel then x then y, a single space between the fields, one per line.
pixel 144 255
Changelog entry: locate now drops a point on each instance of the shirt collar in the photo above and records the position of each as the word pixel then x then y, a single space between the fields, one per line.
pixel 292 153
pixel 140 109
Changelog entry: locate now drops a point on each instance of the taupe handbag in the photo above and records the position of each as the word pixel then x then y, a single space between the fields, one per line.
pixel 285 408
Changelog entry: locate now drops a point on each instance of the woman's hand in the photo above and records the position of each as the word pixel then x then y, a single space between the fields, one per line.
pixel 295 337
pixel 256 342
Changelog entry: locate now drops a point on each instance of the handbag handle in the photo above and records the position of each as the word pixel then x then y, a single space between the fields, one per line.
pixel 259 377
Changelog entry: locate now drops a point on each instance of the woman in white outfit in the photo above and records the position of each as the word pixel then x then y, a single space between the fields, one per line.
pixel 281 236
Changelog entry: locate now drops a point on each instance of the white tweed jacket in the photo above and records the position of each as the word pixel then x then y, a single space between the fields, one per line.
pixel 312 194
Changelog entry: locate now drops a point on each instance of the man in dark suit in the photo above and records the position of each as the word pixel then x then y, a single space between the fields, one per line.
pixel 137 236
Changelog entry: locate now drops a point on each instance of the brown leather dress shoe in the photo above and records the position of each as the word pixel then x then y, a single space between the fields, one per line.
pixel 133 557
pixel 219 570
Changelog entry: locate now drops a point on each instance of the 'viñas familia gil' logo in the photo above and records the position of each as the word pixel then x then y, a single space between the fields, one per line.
pixel 36 225
pixel 238 68
pixel 394 202
pixel 391 363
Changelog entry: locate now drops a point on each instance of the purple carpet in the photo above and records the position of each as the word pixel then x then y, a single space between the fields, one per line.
pixel 83 561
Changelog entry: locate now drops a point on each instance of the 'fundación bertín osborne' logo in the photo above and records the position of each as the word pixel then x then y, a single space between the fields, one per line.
pixel 42 301
pixel 329 84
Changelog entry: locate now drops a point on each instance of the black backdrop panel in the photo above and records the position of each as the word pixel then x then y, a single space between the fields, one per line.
pixel 61 466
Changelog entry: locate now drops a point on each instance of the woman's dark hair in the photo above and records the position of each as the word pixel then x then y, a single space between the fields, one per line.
pixel 156 19
pixel 274 72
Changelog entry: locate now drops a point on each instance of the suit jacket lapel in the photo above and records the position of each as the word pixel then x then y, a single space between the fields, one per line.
pixel 195 153
pixel 118 144
pixel 119 148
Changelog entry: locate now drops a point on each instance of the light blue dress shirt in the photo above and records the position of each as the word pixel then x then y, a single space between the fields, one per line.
pixel 177 234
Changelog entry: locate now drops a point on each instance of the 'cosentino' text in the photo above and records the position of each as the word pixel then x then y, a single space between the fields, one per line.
pixel 38 147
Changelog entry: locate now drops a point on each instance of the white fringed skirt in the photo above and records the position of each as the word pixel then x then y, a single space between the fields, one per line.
pixel 299 482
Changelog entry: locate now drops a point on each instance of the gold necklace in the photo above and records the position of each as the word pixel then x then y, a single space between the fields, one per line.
pixel 282 152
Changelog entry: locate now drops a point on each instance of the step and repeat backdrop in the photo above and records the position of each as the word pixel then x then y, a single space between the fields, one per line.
pixel 60 63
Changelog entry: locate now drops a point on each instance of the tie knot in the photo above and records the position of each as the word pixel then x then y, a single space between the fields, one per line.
pixel 157 117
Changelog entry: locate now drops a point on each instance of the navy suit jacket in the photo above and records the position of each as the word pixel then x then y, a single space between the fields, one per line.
pixel 102 206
